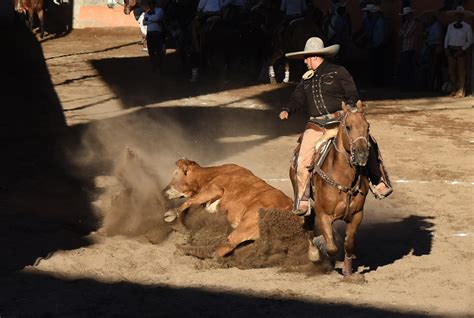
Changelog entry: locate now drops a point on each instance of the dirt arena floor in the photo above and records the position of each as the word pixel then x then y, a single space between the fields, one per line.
pixel 71 248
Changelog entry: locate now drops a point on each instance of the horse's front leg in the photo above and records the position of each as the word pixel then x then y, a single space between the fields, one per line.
pixel 325 225
pixel 349 242
pixel 286 79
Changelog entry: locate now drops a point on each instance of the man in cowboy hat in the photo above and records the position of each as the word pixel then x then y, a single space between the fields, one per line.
pixel 457 40
pixel 407 35
pixel 322 90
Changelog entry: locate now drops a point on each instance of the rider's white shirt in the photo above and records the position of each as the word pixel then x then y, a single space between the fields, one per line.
pixel 293 7
pixel 209 5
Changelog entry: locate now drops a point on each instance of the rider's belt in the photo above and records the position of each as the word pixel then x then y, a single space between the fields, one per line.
pixel 327 119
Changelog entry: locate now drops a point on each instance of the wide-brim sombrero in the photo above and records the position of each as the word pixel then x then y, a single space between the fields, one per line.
pixel 314 47
pixel 460 10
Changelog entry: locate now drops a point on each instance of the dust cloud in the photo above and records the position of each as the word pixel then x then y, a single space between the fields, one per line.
pixel 130 159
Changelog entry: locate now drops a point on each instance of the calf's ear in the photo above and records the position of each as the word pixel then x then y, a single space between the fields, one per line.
pixel 185 165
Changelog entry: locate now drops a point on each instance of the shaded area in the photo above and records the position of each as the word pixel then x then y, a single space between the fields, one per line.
pixel 380 244
pixel 135 84
pixel 43 208
pixel 81 297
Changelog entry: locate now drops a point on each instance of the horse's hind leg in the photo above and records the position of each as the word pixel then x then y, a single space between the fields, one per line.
pixel 349 242
pixel 31 19
pixel 41 20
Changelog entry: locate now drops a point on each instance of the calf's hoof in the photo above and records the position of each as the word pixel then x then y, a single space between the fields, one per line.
pixel 313 253
pixel 170 216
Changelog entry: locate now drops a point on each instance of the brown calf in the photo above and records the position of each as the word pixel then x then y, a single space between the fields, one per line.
pixel 231 189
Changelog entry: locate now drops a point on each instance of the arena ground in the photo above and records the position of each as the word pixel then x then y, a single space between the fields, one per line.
pixel 415 248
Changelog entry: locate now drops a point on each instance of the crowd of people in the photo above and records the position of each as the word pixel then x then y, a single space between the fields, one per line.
pixel 433 44
pixel 433 48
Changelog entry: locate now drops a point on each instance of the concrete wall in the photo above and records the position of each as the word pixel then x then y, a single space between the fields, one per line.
pixel 95 13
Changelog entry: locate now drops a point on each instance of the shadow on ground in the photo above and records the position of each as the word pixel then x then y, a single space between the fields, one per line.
pixel 43 208
pixel 381 244
pixel 38 295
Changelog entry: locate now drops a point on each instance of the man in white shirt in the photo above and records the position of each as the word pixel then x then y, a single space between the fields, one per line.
pixel 457 40
pixel 154 34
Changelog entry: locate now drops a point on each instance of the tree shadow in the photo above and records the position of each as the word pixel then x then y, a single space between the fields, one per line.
pixel 89 298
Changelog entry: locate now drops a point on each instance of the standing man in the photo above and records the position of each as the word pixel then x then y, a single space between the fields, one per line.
pixel 375 29
pixel 458 39
pixel 154 34
pixel 407 35
pixel 322 90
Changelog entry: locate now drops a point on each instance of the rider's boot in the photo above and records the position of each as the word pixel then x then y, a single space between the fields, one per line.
pixel 380 184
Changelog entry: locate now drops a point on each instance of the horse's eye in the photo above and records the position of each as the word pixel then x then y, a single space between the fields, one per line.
pixel 348 128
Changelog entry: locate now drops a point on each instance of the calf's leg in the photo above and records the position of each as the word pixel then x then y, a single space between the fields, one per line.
pixel 209 193
pixel 247 230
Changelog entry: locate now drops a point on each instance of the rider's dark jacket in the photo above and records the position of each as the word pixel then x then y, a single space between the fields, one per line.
pixel 323 93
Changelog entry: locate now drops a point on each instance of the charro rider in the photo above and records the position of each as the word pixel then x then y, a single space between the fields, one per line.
pixel 322 90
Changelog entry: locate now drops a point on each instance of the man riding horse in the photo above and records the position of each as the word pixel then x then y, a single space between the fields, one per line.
pixel 322 90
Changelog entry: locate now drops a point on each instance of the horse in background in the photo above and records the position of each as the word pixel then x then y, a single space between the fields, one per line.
pixel 31 8
pixel 293 38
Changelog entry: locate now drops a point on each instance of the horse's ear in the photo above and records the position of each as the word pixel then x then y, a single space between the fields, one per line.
pixel 346 107
pixel 360 106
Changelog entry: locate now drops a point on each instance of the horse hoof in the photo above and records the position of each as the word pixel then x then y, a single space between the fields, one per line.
pixel 321 245
pixel 273 80
pixel 170 216
pixel 355 278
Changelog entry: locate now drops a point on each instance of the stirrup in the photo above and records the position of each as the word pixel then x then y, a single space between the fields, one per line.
pixel 378 193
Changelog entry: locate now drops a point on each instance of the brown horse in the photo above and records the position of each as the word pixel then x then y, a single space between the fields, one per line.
pixel 30 7
pixel 339 185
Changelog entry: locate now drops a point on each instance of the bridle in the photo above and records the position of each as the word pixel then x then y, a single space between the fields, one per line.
pixel 350 159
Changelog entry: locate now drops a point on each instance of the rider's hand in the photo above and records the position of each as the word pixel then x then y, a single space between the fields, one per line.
pixel 283 115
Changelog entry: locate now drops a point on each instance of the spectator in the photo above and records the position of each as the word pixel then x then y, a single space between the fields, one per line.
pixel 340 31
pixel 153 20
pixel 407 35
pixel 374 26
pixel 293 8
pixel 432 53
pixel 458 39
